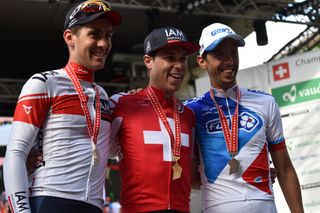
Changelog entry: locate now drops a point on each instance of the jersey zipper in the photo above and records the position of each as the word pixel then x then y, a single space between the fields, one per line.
pixel 89 178
pixel 88 188
pixel 228 107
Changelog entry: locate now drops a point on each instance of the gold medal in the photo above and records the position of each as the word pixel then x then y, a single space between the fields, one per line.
pixel 175 139
pixel 177 170
pixel 234 165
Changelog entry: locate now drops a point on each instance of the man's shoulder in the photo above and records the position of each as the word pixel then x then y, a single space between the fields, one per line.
pixel 124 96
pixel 39 82
pixel 125 99
pixel 256 92
pixel 194 102
pixel 47 75
pixel 116 97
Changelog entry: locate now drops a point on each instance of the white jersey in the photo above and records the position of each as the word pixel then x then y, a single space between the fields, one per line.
pixel 259 131
pixel 49 116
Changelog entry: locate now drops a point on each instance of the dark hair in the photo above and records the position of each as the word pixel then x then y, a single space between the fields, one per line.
pixel 152 54
pixel 204 54
pixel 76 29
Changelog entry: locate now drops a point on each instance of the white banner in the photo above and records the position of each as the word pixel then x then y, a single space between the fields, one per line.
pixel 295 83
pixel 254 78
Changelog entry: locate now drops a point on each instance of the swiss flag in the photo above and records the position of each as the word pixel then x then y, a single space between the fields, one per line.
pixel 281 71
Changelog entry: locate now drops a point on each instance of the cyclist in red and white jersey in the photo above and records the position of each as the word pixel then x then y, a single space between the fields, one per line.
pixel 65 115
pixel 154 131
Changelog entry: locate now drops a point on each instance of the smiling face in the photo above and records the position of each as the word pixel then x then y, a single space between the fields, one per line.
pixel 90 45
pixel 167 68
pixel 222 64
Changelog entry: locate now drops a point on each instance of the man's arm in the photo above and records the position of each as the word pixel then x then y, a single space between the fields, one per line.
pixel 34 160
pixel 195 175
pixel 15 172
pixel 29 114
pixel 115 150
pixel 288 180
pixel 115 122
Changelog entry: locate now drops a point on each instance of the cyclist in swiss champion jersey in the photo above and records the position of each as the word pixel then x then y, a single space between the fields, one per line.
pixel 154 131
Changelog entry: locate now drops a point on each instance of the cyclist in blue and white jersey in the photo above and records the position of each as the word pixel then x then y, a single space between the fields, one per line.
pixel 236 129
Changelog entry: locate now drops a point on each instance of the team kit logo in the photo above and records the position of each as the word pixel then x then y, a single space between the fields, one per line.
pixel 247 122
pixel 281 71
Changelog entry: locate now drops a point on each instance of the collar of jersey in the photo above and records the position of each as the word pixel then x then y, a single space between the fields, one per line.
pixel 161 94
pixel 82 72
pixel 231 92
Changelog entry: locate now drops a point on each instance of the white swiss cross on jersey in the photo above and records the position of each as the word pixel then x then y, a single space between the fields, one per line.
pixel 162 137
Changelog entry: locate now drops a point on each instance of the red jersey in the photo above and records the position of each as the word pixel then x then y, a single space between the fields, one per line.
pixel 146 153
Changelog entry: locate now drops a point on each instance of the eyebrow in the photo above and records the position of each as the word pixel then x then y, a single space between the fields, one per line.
pixel 172 52
pixel 94 29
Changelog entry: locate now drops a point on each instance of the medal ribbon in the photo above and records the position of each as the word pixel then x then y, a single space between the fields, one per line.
pixel 93 131
pixel 175 143
pixel 231 137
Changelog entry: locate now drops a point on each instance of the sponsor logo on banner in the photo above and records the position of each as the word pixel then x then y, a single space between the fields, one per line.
pixel 297 93
pixel 281 71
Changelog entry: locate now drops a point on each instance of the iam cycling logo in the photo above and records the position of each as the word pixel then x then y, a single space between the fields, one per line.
pixel 291 95
pixel 247 122
pixel 281 71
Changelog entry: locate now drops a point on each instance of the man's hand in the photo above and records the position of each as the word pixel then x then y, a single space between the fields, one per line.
pixel 133 91
pixel 34 160
pixel 274 173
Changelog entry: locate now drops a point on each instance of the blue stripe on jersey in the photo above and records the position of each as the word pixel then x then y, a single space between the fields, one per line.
pixel 277 141
pixel 209 133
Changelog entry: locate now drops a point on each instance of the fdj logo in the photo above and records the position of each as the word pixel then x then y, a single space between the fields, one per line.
pixel 214 126
pixel 280 71
pixel 247 122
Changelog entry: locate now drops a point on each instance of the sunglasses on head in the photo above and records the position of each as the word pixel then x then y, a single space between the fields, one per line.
pixel 95 6
pixel 91 6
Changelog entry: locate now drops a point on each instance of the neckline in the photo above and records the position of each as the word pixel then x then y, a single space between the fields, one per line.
pixel 82 72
